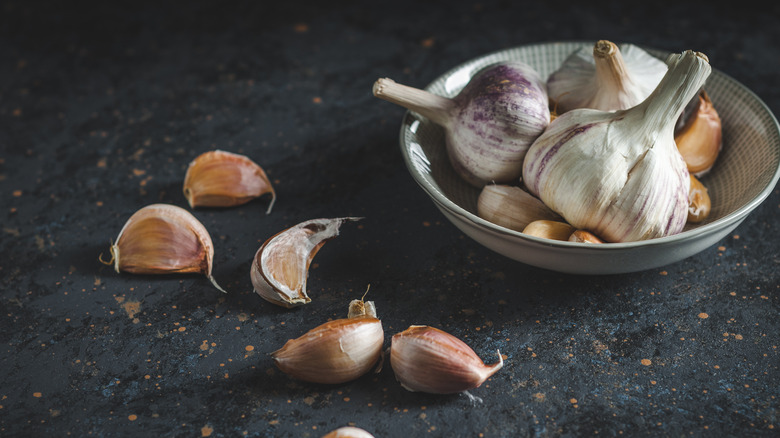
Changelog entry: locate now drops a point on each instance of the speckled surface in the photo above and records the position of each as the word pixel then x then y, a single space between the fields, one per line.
pixel 101 109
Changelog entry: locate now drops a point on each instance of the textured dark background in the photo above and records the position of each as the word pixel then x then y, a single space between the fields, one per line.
pixel 103 105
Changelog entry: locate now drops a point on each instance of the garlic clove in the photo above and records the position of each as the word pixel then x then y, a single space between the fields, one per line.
pixel 427 359
pixel 698 202
pixel 348 432
pixel 548 229
pixel 163 239
pixel 335 352
pixel 511 207
pixel 224 179
pixel 606 78
pixel 489 125
pixel 583 236
pixel 281 266
pixel 700 139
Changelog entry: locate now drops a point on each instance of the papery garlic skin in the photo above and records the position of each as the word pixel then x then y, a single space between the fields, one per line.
pixel 605 77
pixel 335 352
pixel 427 359
pixel 280 267
pixel 225 179
pixel 164 239
pixel 619 175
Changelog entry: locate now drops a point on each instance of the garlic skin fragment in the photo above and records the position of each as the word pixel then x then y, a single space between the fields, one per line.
pixel 164 239
pixel 281 266
pixel 489 125
pixel 511 207
pixel 619 174
pixel 426 359
pixel 335 352
pixel 700 139
pixel 348 432
pixel 606 78
pixel 225 179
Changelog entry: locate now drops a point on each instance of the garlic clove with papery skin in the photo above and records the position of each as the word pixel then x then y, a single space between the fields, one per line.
pixel 164 239
pixel 699 204
pixel 335 352
pixel 348 432
pixel 547 229
pixel 281 266
pixel 225 179
pixel 619 174
pixel 584 236
pixel 511 207
pixel 489 125
pixel 700 139
pixel 427 359
pixel 607 77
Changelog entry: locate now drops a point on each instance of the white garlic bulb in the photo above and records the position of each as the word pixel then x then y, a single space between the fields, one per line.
pixel 619 174
pixel 606 78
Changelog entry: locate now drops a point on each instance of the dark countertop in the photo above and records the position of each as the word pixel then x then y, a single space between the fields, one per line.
pixel 102 108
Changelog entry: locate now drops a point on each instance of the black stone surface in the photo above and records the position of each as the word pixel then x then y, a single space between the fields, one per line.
pixel 102 106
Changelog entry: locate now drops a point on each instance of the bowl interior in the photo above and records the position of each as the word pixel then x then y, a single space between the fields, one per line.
pixel 744 174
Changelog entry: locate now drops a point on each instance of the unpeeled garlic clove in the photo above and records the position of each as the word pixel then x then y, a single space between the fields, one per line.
pixel 335 352
pixel 548 229
pixel 163 239
pixel 427 359
pixel 700 139
pixel 583 236
pixel 281 266
pixel 511 207
pixel 698 202
pixel 224 179
pixel 348 432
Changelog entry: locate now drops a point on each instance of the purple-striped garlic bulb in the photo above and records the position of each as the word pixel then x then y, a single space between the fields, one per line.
pixel 619 174
pixel 489 125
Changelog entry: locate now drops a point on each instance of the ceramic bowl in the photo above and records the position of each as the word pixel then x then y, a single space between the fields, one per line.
pixel 745 173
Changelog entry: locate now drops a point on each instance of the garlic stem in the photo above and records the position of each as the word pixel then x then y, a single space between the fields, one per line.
pixel 429 105
pixel 611 71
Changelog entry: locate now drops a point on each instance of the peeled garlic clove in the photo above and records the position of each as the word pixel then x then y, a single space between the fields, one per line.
pixel 698 202
pixel 582 236
pixel 606 78
pixel 489 125
pixel 547 229
pixel 335 352
pixel 281 265
pixel 164 239
pixel 348 432
pixel 511 207
pixel 699 141
pixel 427 359
pixel 224 179
pixel 619 174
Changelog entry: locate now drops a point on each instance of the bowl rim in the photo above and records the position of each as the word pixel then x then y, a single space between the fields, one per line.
pixel 710 228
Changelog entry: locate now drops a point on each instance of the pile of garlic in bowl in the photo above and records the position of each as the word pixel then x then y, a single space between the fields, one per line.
pixel 589 158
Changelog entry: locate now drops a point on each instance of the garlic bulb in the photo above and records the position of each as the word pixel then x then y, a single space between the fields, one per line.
pixel 699 139
pixel 224 179
pixel 489 125
pixel 281 266
pixel 427 359
pixel 163 239
pixel 335 352
pixel 511 207
pixel 606 78
pixel 619 174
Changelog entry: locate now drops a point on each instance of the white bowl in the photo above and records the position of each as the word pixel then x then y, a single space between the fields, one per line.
pixel 745 173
